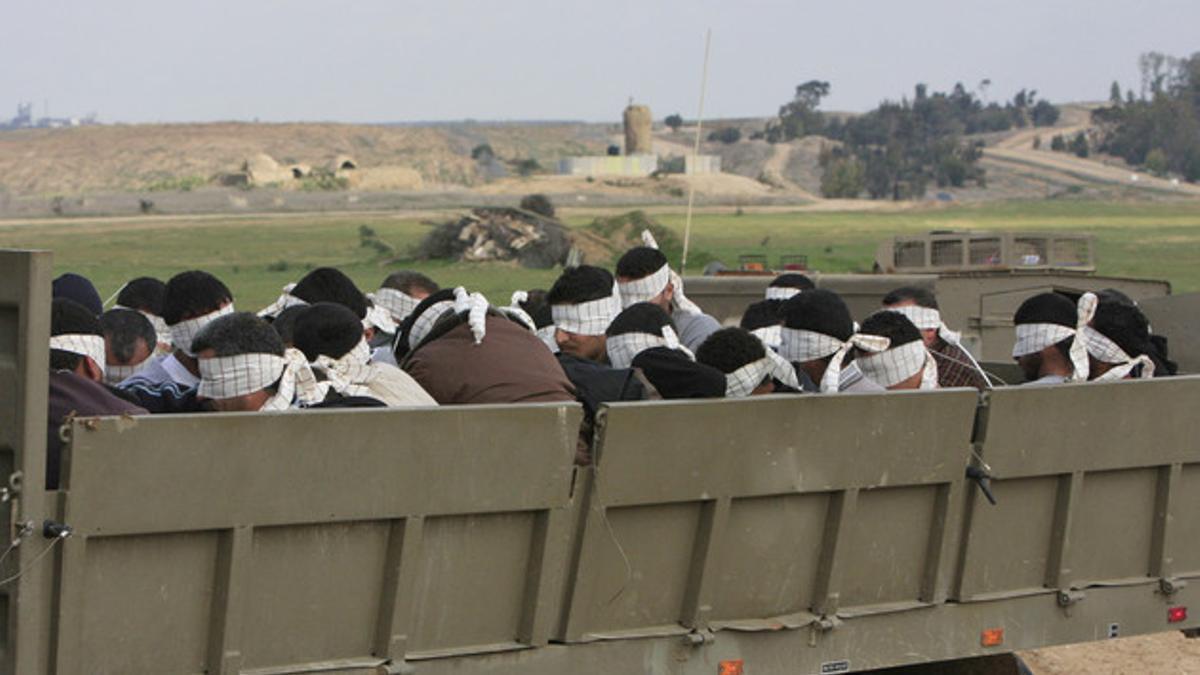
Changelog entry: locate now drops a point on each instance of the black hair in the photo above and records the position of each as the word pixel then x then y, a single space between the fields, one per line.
pixel 640 262
pixel 407 281
pixel 729 349
pixel 1128 327
pixel 326 284
pixel 123 328
pixel 537 308
pixel 238 333
pixel 820 311
pixel 792 280
pixel 762 314
pixel 580 284
pixel 191 294
pixel 1114 295
pixel 922 297
pixel 328 329
pixel 642 317
pixel 892 325
pixel 68 317
pixel 144 293
pixel 78 288
pixel 284 323
pixel 1047 308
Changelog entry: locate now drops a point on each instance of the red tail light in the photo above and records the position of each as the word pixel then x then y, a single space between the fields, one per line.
pixel 1176 614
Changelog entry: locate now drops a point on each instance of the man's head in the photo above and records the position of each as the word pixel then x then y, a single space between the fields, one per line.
pixel 326 284
pixel 762 314
pixel 241 362
pixel 645 276
pixel 583 304
pixel 1045 327
pixel 285 324
pixel 786 286
pixel 815 325
pixel 191 300
pixel 326 329
pixel 637 328
pixel 144 294
pixel 421 321
pixel 76 287
pixel 1118 340
pixel 402 291
pixel 129 339
pixel 916 300
pixel 731 351
pixel 76 340
pixel 905 360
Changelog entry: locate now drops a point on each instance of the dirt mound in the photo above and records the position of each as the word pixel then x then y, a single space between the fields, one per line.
pixel 498 234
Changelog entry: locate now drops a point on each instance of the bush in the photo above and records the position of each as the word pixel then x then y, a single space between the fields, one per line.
pixel 539 204
pixel 1044 114
pixel 843 178
pixel 1058 143
pixel 674 121
pixel 483 152
pixel 726 135
pixel 527 167
pixel 1156 162
pixel 1079 145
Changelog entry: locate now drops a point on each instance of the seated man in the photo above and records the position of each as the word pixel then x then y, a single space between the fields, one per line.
pixel 903 362
pixel 786 286
pixel 764 321
pixel 244 367
pixel 644 276
pixel 461 351
pixel 817 337
pixel 750 367
pixel 402 291
pixel 330 335
pixel 145 295
pixel 1118 343
pixel 1046 348
pixel 533 303
pixel 192 300
pixel 77 365
pixel 129 341
pixel 642 338
pixel 327 284
pixel 956 366
pixel 583 301
pixel 79 288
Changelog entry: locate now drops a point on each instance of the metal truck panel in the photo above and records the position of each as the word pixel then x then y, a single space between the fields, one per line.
pixel 1175 317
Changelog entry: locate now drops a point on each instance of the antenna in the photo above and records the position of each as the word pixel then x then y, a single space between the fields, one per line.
pixel 687 225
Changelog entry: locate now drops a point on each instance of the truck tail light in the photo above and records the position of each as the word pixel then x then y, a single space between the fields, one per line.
pixel 733 667
pixel 1176 614
pixel 992 637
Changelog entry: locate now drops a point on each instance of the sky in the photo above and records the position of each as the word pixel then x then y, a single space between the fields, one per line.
pixel 396 60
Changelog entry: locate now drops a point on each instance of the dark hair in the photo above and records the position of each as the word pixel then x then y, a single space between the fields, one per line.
pixel 580 284
pixel 642 317
pixel 406 281
pixel 144 293
pixel 192 294
pixel 326 284
pixel 1126 325
pixel 892 325
pixel 762 314
pixel 238 333
pixel 327 329
pixel 792 280
pixel 920 296
pixel 284 323
pixel 1047 308
pixel 68 317
pixel 79 288
pixel 820 311
pixel 729 349
pixel 537 308
pixel 400 346
pixel 122 330
pixel 640 262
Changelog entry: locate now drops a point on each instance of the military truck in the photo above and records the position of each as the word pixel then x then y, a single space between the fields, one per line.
pixel 785 534
pixel 980 279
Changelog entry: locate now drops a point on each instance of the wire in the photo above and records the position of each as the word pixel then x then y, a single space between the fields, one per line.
pixel 687 226
pixel 33 562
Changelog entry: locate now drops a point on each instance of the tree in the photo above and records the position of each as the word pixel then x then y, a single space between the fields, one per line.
pixel 844 178
pixel 483 153
pixel 527 167
pixel 800 117
pixel 1058 143
pixel 726 135
pixel 1156 162
pixel 1079 145
pixel 1114 93
pixel 674 121
pixel 1044 114
pixel 539 204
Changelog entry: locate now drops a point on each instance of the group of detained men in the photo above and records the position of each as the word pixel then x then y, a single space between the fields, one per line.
pixel 593 337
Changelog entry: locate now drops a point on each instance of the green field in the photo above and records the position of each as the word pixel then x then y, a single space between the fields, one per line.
pixel 256 256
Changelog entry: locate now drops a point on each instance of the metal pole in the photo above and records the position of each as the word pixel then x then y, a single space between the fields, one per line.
pixel 687 225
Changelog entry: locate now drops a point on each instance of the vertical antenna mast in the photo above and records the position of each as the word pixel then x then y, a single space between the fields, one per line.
pixel 687 226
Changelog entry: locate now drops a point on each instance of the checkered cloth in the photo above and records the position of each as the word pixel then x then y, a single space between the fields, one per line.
pixel 781 292
pixel 380 319
pixel 424 322
pixel 91 346
pixel 1034 337
pixel 968 374
pixel 893 366
pixel 623 348
pixel 398 303
pixel 546 335
pixel 514 310
pixel 771 336
pixel 588 318
pixel 348 374
pixel 644 289
pixel 232 376
pixel 1106 351
pixel 115 374
pixel 780 369
pixel 927 318
pixel 184 332
pixel 285 300
pixel 799 345
pixel 476 307
pixel 743 381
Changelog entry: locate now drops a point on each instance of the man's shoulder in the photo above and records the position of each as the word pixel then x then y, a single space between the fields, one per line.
pixel 86 397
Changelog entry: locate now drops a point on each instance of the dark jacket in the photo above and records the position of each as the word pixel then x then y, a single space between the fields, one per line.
pixel 71 394
pixel 674 375
pixel 597 383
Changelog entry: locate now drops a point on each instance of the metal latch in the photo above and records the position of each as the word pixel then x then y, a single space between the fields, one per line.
pixel 1170 586
pixel 1067 598
pixel 820 626
pixel 699 637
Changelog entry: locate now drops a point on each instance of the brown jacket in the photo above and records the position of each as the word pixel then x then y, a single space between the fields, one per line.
pixel 511 365
pixel 72 395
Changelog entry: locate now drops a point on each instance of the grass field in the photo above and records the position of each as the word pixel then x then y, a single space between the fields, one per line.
pixel 257 255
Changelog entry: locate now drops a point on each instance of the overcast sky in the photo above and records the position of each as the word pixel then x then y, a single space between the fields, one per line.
pixel 394 60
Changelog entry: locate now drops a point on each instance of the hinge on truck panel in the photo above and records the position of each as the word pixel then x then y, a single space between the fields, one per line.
pixel 699 637
pixel 1170 586
pixel 1067 598
pixel 821 626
